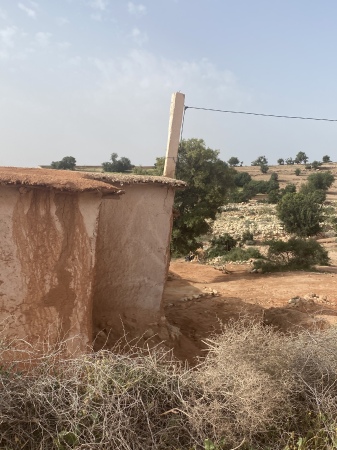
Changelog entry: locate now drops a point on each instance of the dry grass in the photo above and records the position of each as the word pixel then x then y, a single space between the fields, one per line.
pixel 255 389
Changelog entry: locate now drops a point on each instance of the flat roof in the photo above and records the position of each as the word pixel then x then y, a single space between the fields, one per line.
pixel 121 179
pixel 62 180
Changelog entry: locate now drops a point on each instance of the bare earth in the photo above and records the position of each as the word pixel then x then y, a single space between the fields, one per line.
pixel 244 294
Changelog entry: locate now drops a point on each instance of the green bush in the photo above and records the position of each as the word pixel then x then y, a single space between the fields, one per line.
pixel 300 213
pixel 316 164
pixel 274 196
pixel 242 178
pixel 295 254
pixel 220 245
pixel 247 236
pixel 297 172
pixel 240 254
pixel 289 188
pixel 320 180
pixel 318 195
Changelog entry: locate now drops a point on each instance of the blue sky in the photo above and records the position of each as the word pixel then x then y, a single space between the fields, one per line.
pixel 87 78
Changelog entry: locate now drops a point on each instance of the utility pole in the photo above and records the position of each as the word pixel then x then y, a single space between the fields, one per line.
pixel 176 117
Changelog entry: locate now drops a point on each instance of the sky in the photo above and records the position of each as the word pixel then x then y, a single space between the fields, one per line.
pixel 87 78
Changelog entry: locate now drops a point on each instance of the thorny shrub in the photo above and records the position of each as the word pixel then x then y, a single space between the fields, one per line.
pixel 255 389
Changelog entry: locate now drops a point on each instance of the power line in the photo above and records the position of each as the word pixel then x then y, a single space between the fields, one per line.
pixel 260 114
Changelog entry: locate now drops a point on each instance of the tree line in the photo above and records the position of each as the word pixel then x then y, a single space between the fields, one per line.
pixel 211 183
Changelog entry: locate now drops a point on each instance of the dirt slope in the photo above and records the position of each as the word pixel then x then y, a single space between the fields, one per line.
pixel 240 293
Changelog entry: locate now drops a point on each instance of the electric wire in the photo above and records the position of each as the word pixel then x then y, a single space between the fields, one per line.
pixel 259 114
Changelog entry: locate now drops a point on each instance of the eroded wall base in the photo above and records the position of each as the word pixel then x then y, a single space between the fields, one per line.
pixel 132 260
pixel 47 258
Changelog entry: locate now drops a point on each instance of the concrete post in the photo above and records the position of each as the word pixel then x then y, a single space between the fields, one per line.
pixel 176 117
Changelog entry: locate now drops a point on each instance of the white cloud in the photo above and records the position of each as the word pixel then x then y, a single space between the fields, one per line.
pixel 61 21
pixel 63 45
pixel 7 36
pixel 3 15
pixel 75 61
pixel 101 5
pixel 97 17
pixel 139 37
pixel 136 8
pixel 142 71
pixel 30 12
pixel 42 39
pixel 7 41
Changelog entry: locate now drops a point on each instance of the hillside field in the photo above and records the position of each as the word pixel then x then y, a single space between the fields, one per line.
pixel 199 298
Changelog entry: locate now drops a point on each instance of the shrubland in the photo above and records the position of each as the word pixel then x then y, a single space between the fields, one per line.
pixel 255 389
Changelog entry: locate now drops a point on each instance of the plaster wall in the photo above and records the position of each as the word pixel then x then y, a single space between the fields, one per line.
pixel 132 258
pixel 47 258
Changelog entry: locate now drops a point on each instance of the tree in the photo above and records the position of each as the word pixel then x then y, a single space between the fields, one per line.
pixel 316 164
pixel 264 168
pixel 301 157
pixel 208 182
pixel 280 161
pixel 290 161
pixel 117 165
pixel 326 159
pixel 233 161
pixel 66 163
pixel 261 160
pixel 301 213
